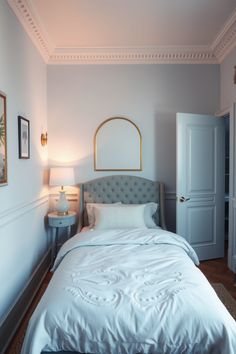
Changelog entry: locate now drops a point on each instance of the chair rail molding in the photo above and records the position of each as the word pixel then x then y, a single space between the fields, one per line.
pixel 171 195
pixel 18 211
pixel 211 54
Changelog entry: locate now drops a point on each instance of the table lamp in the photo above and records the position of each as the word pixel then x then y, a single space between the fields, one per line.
pixel 62 176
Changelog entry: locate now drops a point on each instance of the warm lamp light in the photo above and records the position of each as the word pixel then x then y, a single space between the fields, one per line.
pixel 62 176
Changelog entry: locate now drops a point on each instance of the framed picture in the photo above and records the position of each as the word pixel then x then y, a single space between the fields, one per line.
pixel 24 137
pixel 3 139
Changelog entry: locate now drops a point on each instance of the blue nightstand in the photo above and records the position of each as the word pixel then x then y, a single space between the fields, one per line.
pixel 56 221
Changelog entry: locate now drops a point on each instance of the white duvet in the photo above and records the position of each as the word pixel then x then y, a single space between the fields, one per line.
pixel 128 292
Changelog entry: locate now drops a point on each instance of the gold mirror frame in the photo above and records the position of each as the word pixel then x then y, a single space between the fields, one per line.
pixel 96 148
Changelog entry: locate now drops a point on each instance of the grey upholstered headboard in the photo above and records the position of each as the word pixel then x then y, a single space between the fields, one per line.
pixel 125 189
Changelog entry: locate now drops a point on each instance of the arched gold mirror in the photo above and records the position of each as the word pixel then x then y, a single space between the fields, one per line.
pixel 117 146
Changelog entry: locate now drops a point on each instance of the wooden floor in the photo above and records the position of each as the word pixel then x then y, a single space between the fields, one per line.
pixel 215 270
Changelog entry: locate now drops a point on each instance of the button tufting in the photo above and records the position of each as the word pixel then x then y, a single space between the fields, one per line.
pixel 127 189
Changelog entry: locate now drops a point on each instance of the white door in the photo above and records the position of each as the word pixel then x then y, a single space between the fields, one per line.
pixel 200 183
pixel 232 192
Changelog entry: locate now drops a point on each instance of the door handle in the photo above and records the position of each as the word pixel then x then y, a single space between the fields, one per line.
pixel 183 199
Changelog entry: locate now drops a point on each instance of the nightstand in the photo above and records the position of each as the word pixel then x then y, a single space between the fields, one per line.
pixel 56 221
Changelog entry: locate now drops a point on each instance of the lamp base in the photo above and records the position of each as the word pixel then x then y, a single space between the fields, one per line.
pixel 62 206
pixel 62 213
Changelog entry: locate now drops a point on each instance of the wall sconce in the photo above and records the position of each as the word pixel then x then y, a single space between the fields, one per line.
pixel 44 139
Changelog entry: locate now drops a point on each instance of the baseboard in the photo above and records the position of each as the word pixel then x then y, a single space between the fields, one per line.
pixel 13 319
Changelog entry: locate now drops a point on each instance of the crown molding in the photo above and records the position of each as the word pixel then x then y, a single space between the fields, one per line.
pixel 27 17
pixel 225 41
pixel 212 54
pixel 132 55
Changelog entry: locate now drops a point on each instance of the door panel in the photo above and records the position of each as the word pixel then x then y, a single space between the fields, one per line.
pixel 201 142
pixel 201 225
pixel 200 180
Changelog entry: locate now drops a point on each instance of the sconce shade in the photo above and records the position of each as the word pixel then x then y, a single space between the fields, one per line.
pixel 62 176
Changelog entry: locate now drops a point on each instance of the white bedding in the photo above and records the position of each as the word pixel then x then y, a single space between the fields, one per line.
pixel 128 292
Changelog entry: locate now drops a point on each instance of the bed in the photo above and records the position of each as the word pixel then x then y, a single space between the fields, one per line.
pixel 125 285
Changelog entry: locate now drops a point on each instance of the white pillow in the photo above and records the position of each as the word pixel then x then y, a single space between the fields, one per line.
pixel 90 211
pixel 149 211
pixel 119 217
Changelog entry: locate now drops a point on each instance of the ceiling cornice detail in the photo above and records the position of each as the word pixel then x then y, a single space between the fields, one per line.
pixel 133 55
pixel 212 54
pixel 225 41
pixel 25 15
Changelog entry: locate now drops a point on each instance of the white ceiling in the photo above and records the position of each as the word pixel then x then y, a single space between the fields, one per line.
pixel 129 30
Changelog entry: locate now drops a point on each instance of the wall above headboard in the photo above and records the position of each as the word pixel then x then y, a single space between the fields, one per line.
pixel 117 145
pixel 81 97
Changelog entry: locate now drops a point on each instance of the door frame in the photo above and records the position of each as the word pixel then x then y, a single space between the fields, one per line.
pixel 231 112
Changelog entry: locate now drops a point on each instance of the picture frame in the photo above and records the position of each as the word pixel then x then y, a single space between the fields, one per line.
pixel 24 137
pixel 3 139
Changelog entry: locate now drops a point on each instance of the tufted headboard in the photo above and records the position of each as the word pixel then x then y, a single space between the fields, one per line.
pixel 125 189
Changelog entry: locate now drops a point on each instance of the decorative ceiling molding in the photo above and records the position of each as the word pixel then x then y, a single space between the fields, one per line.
pixel 137 55
pixel 26 16
pixel 212 54
pixel 226 40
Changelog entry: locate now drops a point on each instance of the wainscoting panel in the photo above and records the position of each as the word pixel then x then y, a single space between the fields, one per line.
pixel 24 258
pixel 16 212
pixel 14 317
pixel 171 211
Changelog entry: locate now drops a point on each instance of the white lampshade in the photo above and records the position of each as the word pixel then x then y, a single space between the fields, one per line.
pixel 62 176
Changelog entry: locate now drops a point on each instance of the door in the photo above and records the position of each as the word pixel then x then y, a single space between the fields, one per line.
pixel 232 191
pixel 200 183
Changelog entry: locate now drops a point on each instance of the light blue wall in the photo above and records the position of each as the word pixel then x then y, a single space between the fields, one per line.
pixel 81 97
pixel 24 201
